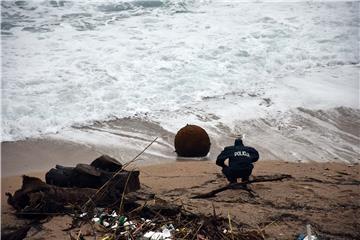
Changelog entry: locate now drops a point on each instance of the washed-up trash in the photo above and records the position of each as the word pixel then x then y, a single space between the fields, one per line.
pixel 122 220
pixel 106 220
pixel 155 236
pixel 148 235
pixel 170 227
pixel 309 235
pixel 164 234
pixel 108 238
pixel 106 224
pixel 312 237
pixel 110 220
pixel 115 226
pixel 129 225
pixel 303 237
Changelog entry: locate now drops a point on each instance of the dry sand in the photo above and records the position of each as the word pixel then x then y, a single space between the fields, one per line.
pixel 326 195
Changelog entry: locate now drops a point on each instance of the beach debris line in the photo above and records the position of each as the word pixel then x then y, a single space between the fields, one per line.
pixel 143 228
pixel 160 220
pixel 192 141
pixel 244 185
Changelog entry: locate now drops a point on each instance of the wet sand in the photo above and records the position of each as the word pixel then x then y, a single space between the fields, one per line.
pixel 39 155
pixel 326 195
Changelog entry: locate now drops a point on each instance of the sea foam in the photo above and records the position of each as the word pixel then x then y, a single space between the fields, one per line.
pixel 213 63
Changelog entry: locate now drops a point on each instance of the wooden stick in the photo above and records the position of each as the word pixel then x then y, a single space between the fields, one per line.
pixel 230 226
pixel 134 159
pixel 116 174
pixel 242 185
pixel 214 211
pixel 123 194
pixel 197 231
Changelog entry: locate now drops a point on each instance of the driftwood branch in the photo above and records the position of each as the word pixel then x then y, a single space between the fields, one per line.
pixel 243 185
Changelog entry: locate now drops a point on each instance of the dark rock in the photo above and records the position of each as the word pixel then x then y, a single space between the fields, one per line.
pixel 87 170
pixel 18 234
pixel 192 141
pixel 35 196
pixel 61 177
pixel 107 163
pixel 86 176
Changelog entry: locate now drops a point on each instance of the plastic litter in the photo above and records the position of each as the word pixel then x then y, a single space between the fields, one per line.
pixel 309 235
pixel 112 220
pixel 156 236
pixel 107 219
pixel 129 225
pixel 148 235
pixel 312 237
pixel 303 237
pixel 113 214
pixel 115 226
pixel 122 220
pixel 164 234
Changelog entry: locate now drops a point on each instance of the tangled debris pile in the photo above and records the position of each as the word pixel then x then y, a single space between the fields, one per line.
pixel 106 221
pixel 163 221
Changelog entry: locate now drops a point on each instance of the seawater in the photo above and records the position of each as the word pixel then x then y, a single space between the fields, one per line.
pixel 227 66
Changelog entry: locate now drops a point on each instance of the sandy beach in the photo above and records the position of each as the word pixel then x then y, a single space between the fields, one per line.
pixel 324 195
pixel 82 79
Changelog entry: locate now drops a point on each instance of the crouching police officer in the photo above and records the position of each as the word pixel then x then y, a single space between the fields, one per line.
pixel 241 159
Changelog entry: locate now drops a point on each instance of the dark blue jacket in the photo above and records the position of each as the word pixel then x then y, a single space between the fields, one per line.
pixel 240 156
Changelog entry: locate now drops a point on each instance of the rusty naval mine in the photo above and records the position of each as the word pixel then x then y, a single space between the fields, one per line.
pixel 192 141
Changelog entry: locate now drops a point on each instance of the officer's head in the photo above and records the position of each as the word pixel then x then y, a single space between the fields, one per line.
pixel 238 142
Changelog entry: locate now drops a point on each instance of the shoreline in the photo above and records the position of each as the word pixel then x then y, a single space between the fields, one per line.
pixel 40 154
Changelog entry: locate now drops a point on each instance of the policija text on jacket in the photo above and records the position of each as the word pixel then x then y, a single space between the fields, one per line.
pixel 241 159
